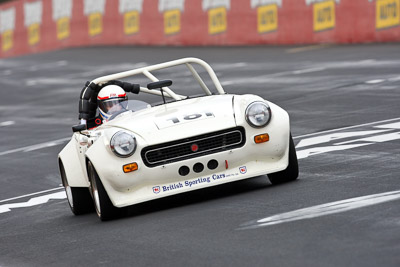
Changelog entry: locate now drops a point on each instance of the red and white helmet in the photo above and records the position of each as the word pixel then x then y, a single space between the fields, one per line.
pixel 111 99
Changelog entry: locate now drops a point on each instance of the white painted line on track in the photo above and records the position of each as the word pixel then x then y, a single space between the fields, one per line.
pixel 33 194
pixel 375 81
pixel 327 141
pixel 50 65
pixel 363 136
pixel 6 123
pixel 36 147
pixel 308 70
pixel 394 79
pixel 306 48
pixel 344 128
pixel 33 201
pixel 327 138
pixel 395 125
pixel 240 64
pixel 227 83
pixel 367 61
pixel 375 139
pixel 322 210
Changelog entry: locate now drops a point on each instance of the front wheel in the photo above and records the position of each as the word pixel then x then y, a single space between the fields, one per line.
pixel 79 199
pixel 291 172
pixel 103 205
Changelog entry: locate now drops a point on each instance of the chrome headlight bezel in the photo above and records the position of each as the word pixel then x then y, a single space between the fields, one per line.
pixel 251 112
pixel 117 140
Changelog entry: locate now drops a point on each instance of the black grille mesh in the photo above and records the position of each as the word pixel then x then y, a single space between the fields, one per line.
pixel 182 149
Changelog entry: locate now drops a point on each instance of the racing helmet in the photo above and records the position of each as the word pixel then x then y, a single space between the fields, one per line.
pixel 111 99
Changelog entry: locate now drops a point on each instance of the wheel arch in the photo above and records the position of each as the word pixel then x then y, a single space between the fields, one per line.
pixel 69 158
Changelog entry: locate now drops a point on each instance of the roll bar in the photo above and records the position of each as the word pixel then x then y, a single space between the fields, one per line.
pixel 146 71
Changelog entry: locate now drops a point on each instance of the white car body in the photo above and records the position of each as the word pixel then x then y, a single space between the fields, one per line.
pixel 178 120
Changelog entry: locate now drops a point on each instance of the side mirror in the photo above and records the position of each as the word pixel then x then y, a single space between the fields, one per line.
pixel 79 127
pixel 159 84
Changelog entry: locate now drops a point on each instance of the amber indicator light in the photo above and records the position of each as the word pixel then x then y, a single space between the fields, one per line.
pixel 261 138
pixel 130 167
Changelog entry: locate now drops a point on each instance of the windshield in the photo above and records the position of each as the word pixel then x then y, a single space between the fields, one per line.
pixel 127 105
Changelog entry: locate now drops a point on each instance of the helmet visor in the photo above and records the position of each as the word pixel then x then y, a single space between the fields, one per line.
pixel 114 105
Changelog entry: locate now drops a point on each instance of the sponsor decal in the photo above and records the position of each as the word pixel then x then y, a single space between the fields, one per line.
pixel 243 169
pixel 131 10
pixel 323 14
pixel 94 10
pixel 62 13
pixel 171 187
pixel 194 182
pixel 217 15
pixel 387 13
pixel 172 10
pixel 32 21
pixel 156 189
pixel 267 14
pixel 7 27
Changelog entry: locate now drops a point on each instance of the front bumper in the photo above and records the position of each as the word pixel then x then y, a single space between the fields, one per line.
pixel 148 183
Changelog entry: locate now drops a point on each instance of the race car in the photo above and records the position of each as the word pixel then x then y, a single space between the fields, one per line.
pixel 180 144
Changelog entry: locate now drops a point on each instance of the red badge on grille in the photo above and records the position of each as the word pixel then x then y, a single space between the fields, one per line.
pixel 194 147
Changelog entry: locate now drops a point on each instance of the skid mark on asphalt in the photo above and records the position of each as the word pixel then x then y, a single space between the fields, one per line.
pixel 322 210
pixel 309 145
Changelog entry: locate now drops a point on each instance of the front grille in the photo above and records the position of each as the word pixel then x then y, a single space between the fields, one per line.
pixel 193 147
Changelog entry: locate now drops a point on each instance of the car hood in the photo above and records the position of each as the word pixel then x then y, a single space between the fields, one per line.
pixel 179 119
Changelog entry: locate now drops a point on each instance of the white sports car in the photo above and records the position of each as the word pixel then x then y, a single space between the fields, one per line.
pixel 183 143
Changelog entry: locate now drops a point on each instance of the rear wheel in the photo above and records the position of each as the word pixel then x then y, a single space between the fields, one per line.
pixel 291 172
pixel 103 205
pixel 79 199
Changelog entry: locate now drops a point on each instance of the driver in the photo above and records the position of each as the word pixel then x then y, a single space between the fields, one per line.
pixel 111 99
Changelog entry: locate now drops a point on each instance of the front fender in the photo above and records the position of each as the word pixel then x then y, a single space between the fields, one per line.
pixel 74 170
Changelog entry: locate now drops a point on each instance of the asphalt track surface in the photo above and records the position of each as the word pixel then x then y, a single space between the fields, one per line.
pixel 344 104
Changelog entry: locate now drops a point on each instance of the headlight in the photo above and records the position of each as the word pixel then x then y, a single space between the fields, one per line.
pixel 123 144
pixel 258 114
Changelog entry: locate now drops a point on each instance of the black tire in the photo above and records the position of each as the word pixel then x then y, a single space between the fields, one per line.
pixel 79 198
pixel 102 203
pixel 291 172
